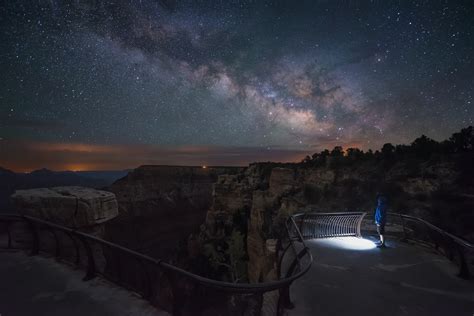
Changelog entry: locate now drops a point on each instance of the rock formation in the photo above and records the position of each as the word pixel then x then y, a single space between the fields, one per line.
pixel 251 204
pixel 160 206
pixel 74 207
pixel 80 208
pixel 258 200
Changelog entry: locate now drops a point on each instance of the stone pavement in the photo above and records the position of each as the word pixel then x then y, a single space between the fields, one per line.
pixel 41 286
pixel 351 277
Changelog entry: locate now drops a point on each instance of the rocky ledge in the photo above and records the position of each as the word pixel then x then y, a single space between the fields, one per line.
pixel 76 207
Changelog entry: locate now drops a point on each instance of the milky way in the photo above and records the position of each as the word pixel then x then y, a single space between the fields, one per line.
pixel 227 82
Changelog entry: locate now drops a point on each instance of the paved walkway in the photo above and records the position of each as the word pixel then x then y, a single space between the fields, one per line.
pixel 350 277
pixel 39 286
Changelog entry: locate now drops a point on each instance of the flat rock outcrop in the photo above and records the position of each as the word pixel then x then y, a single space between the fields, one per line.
pixel 75 207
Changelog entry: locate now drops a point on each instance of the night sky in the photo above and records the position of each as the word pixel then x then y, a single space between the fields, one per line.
pixel 122 83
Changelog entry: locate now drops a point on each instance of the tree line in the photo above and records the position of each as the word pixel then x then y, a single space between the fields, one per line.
pixel 423 148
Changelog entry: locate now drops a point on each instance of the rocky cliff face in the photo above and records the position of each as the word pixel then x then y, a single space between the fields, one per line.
pixel 254 204
pixel 159 206
pixel 258 200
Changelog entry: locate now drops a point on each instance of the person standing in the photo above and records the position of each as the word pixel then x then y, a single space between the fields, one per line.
pixel 381 218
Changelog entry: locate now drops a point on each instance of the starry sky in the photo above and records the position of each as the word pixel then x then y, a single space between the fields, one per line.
pixel 89 85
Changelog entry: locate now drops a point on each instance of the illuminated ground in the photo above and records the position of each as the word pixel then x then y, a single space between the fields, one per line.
pixel 39 286
pixel 351 277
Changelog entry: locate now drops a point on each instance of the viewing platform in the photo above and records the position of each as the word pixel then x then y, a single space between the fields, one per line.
pixel 34 285
pixel 350 276
pixel 334 271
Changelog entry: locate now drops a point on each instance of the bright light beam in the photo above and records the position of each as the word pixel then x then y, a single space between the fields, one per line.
pixel 350 243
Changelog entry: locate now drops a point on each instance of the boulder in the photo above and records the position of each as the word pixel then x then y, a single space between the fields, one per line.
pixel 76 207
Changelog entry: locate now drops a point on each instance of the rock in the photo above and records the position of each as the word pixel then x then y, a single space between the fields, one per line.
pixel 261 260
pixel 420 186
pixel 75 207
pixel 160 206
pixel 319 178
pixel 80 208
pixel 282 180
pixel 271 246
pixel 229 195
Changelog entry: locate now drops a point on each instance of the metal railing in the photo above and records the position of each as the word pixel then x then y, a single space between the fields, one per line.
pixel 167 286
pixel 423 232
pixel 325 225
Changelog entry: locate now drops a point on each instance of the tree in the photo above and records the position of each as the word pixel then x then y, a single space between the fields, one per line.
pixel 388 149
pixel 232 258
pixel 354 155
pixel 307 160
pixel 424 146
pixel 336 157
pixel 464 140
pixel 401 150
pixel 337 152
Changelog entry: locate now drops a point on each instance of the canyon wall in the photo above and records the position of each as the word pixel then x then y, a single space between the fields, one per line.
pixel 160 206
pixel 256 202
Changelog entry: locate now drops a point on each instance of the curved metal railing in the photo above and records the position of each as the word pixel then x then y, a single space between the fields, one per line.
pixel 163 284
pixel 324 225
pixel 419 230
pixel 416 229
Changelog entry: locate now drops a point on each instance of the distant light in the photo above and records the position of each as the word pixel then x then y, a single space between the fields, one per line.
pixel 204 167
pixel 350 243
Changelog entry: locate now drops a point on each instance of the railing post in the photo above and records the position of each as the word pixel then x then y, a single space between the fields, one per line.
pixel 90 274
pixel 147 291
pixel 260 300
pixel 279 255
pixel 301 224
pixel 34 232
pixel 9 235
pixel 178 302
pixel 359 222
pixel 57 251
pixel 76 247
pixel 463 268
pixel 405 235
pixel 285 301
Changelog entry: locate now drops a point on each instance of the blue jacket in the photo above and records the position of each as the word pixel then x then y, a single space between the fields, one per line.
pixel 381 210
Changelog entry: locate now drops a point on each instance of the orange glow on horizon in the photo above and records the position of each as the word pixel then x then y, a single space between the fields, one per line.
pixel 79 167
pixel 75 147
pixel 28 156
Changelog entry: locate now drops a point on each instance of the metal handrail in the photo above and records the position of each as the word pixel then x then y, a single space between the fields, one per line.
pixel 456 239
pixel 324 225
pixel 238 288
pixel 462 246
